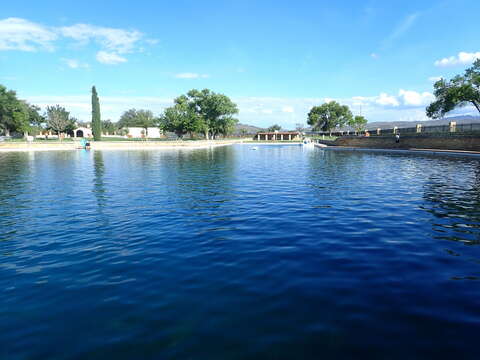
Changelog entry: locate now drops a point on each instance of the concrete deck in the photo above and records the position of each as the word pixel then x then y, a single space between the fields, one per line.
pixel 114 145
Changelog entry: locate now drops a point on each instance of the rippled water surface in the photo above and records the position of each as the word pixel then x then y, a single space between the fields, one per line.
pixel 229 253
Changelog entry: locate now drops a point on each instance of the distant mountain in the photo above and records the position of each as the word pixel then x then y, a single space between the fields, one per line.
pixel 241 129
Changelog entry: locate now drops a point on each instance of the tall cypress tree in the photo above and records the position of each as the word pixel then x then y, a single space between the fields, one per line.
pixel 96 122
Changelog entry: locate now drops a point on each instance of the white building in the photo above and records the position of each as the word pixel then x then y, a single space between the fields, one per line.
pixel 82 132
pixel 138 132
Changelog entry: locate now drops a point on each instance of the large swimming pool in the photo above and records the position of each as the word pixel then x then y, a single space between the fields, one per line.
pixel 232 253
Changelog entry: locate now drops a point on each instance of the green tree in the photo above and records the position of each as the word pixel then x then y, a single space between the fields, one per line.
pixel 215 111
pixel 137 118
pixel 109 127
pixel 37 121
pixel 21 118
pixel 128 119
pixel 181 118
pixel 460 91
pixel 96 118
pixel 9 105
pixel 274 127
pixel 59 120
pixel 358 123
pixel 145 119
pixel 328 116
pixel 17 115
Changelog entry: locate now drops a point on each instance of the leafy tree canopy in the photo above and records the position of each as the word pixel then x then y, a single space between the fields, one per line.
pixel 17 115
pixel 59 120
pixel 181 118
pixel 215 111
pixel 109 126
pixel 200 112
pixel 136 118
pixel 329 115
pixel 459 91
pixel 358 123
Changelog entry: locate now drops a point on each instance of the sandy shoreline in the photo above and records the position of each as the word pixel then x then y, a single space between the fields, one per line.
pixel 117 145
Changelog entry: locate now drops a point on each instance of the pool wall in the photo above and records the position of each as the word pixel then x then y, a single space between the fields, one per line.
pixel 425 141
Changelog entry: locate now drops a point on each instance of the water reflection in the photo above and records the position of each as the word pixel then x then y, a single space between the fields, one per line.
pixel 13 175
pixel 98 182
pixel 453 197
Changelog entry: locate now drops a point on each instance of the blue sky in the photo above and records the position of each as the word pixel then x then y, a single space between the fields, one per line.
pixel 276 59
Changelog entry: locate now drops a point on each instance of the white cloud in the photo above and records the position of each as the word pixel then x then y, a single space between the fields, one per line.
pixel 152 41
pixel 401 28
pixel 75 64
pixel 374 56
pixel 188 75
pixel 23 35
pixel 414 98
pixel 109 58
pixel 463 58
pixel 288 109
pixel 434 78
pixel 387 100
pixel 267 111
pixel 118 40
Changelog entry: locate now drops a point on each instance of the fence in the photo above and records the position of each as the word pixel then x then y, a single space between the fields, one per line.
pixel 452 127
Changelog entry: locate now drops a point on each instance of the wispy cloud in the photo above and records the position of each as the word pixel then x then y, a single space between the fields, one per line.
pixel 434 78
pixel 117 40
pixel 401 29
pixel 75 64
pixel 109 58
pixel 24 35
pixel 189 75
pixel 463 58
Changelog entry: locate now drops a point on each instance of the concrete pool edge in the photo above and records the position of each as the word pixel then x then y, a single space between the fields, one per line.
pixel 166 145
pixel 458 153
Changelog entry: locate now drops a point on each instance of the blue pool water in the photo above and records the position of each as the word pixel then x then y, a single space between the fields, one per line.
pixel 229 253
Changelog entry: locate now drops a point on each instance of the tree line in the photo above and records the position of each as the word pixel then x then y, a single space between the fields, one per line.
pixel 212 114
pixel 196 112
pixel 18 116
